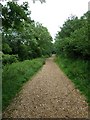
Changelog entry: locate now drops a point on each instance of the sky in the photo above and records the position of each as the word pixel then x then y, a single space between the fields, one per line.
pixel 54 13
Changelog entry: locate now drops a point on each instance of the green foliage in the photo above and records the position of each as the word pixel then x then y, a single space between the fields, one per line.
pixel 73 39
pixel 13 15
pixel 78 72
pixel 73 46
pixel 1 56
pixel 15 75
pixel 22 36
pixel 70 26
pixel 9 59
pixel 6 48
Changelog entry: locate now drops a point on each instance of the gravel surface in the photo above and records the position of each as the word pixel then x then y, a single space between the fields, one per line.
pixel 50 94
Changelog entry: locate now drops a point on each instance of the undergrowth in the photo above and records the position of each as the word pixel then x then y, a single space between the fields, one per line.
pixel 78 71
pixel 15 75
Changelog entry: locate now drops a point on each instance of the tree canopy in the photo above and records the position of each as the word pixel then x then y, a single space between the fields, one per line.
pixel 22 36
pixel 73 39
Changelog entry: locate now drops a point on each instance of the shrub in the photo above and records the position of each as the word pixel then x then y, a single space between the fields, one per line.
pixel 8 59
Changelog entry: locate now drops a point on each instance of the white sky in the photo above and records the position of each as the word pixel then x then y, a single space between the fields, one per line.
pixel 53 13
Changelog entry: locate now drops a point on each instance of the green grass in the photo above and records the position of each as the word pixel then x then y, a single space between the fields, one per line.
pixel 15 75
pixel 78 71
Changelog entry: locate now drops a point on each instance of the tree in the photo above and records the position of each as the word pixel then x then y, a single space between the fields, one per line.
pixel 13 15
pixel 73 39
pixel 27 39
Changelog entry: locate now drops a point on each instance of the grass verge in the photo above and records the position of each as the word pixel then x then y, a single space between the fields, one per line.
pixel 15 75
pixel 78 71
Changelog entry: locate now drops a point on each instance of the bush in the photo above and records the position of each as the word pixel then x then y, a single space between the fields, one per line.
pixel 9 59
pixel 6 48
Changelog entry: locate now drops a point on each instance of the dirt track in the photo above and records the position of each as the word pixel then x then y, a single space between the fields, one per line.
pixel 49 94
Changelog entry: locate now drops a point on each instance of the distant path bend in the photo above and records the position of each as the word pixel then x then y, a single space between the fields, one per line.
pixel 49 94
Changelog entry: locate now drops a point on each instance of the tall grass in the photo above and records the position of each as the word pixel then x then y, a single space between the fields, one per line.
pixel 15 75
pixel 78 71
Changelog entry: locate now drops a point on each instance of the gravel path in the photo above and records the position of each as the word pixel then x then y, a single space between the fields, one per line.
pixel 49 94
